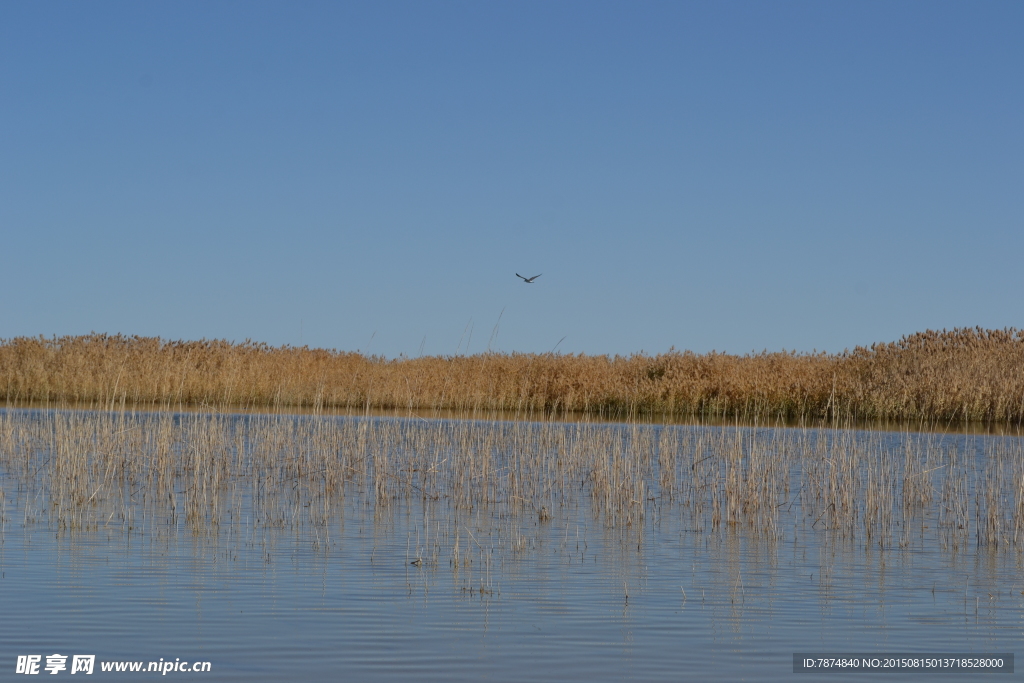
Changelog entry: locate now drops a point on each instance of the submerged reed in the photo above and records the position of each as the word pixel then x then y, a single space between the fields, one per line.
pixel 158 471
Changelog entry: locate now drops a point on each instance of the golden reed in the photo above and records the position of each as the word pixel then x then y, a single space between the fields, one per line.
pixel 958 375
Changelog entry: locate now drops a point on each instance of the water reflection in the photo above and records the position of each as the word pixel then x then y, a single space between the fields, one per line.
pixel 278 547
pixel 602 417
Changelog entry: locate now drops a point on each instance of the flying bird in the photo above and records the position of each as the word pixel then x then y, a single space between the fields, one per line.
pixel 528 280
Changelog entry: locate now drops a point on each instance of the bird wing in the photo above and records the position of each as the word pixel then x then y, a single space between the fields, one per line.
pixel 518 275
pixel 536 276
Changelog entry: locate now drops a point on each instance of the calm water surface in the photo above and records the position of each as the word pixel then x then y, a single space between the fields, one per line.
pixel 379 595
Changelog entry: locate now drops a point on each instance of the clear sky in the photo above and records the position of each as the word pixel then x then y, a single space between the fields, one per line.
pixel 371 175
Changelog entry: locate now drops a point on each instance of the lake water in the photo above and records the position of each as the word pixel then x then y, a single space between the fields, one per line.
pixel 392 586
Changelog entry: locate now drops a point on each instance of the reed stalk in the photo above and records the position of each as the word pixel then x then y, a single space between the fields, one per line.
pixel 961 375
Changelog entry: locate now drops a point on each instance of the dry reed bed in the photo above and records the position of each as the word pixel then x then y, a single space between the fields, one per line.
pixel 961 375
pixel 79 470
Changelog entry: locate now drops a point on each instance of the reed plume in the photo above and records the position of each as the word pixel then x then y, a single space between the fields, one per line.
pixel 960 375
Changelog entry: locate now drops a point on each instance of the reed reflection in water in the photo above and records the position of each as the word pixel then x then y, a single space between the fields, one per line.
pixel 750 540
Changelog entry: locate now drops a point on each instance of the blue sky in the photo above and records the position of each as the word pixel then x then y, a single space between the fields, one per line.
pixel 729 176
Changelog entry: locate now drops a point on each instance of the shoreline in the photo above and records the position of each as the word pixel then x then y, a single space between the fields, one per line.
pixel 964 376
pixel 895 426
